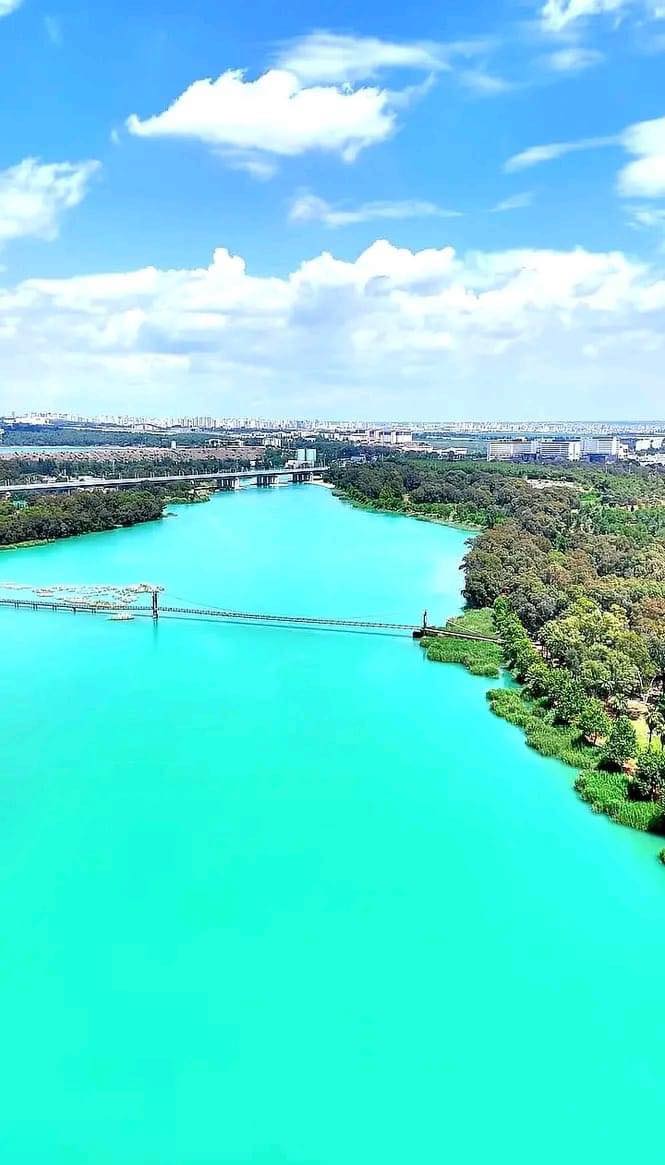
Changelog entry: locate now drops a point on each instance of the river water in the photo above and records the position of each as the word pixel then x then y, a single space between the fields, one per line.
pixel 272 896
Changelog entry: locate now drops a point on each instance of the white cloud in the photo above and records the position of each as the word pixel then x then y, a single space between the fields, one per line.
pixel 645 177
pixel 333 57
pixel 307 207
pixel 393 331
pixel 34 195
pixel 53 30
pixel 485 84
pixel 327 56
pixel 274 114
pixel 7 6
pixel 514 202
pixel 645 141
pixel 573 59
pixel 253 164
pixel 560 15
pixel 647 216
pixel 536 155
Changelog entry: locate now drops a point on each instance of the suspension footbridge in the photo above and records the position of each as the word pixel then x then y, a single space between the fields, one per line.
pixel 157 610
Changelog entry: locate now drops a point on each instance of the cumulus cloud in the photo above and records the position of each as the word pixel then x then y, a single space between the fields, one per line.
pixel 308 207
pixel 396 331
pixel 275 115
pixel 7 6
pixel 34 196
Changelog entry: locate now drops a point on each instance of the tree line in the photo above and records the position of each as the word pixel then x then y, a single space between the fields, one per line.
pixel 27 468
pixel 84 512
pixel 573 562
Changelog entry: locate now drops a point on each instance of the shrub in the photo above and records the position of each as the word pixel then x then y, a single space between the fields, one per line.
pixel 608 793
pixel 482 659
pixel 548 739
pixel 648 783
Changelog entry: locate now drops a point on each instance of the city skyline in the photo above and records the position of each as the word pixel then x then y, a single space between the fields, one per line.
pixel 276 213
pixel 600 426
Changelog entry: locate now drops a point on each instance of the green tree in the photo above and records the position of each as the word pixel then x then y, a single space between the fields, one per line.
pixel 594 722
pixel 655 723
pixel 648 784
pixel 566 695
pixel 621 744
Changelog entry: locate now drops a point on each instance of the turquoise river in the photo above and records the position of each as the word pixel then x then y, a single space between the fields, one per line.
pixel 290 897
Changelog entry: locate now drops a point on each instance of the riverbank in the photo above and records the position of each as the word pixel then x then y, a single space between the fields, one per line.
pixel 404 512
pixel 584 660
pixel 480 657
pixel 52 517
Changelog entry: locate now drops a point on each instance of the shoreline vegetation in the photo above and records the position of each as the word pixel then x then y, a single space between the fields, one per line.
pixel 409 511
pixel 568 568
pixel 479 657
pixel 52 517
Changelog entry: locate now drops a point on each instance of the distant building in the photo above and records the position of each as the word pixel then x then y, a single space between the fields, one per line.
pixel 511 450
pixel 390 437
pixel 452 454
pixel 521 449
pixel 601 449
pixel 649 443
pixel 559 450
pixel 395 438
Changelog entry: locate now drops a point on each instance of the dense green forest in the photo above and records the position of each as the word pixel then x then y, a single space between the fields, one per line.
pixel 572 561
pixel 56 516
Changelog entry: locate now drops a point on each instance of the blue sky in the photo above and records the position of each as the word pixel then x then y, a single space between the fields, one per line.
pixel 329 210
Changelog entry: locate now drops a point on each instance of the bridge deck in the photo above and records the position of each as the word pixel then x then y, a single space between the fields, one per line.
pixel 225 475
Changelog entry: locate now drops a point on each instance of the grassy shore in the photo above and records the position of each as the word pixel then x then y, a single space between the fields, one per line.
pixel 605 791
pixel 31 542
pixel 558 741
pixel 596 780
pixel 480 658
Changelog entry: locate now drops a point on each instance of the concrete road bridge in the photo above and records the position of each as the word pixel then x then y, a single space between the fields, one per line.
pixel 224 480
